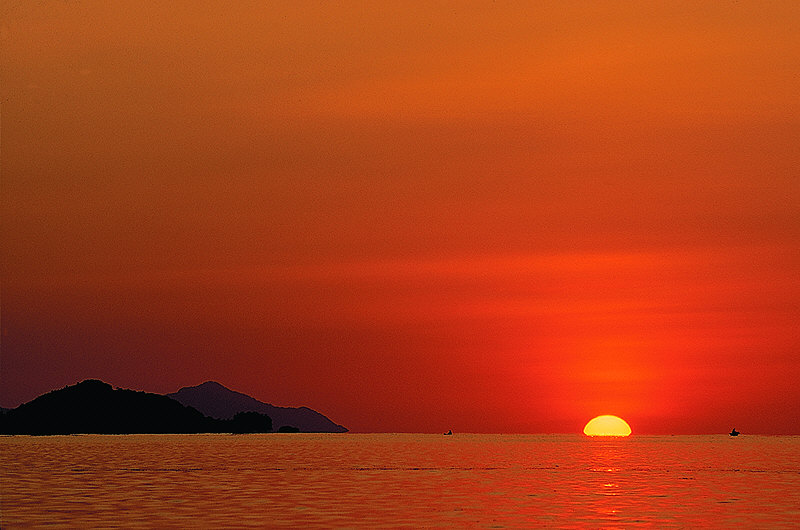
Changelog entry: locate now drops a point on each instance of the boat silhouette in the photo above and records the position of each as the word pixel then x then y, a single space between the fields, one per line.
pixel 734 432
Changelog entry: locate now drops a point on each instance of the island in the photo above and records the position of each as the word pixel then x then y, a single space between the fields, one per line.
pixel 95 407
pixel 217 401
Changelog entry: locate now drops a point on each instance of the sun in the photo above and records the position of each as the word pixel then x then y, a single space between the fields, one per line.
pixel 607 425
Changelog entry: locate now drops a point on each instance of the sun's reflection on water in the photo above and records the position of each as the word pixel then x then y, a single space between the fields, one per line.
pixel 396 480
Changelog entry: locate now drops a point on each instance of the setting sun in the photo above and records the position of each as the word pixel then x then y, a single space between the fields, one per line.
pixel 607 425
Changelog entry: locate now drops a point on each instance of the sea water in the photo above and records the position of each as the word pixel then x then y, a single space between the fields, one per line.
pixel 399 480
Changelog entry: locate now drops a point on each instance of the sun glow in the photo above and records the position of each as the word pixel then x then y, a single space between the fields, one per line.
pixel 607 425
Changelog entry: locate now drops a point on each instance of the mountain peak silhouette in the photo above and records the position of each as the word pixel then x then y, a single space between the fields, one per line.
pixel 212 385
pixel 218 401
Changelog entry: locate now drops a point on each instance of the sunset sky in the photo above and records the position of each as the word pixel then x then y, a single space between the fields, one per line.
pixel 477 216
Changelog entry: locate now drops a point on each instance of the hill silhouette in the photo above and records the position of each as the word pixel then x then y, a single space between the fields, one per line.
pixel 95 407
pixel 217 401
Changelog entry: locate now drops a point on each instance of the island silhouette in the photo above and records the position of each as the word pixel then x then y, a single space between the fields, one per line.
pixel 95 407
pixel 217 401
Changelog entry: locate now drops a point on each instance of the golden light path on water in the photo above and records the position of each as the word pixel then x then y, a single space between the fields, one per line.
pixel 399 480
pixel 607 425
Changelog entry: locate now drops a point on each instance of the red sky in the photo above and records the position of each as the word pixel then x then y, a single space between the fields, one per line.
pixel 478 216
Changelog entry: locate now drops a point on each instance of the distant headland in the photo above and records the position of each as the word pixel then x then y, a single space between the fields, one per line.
pixel 217 401
pixel 95 407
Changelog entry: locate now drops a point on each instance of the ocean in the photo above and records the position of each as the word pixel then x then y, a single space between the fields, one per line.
pixel 399 480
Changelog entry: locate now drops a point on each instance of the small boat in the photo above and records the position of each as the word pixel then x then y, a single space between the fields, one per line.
pixel 448 433
pixel 734 432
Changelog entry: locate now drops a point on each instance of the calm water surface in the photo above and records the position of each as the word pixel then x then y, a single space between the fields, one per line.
pixel 395 480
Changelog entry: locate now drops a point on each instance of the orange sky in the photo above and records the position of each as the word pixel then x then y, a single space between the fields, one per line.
pixel 478 216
